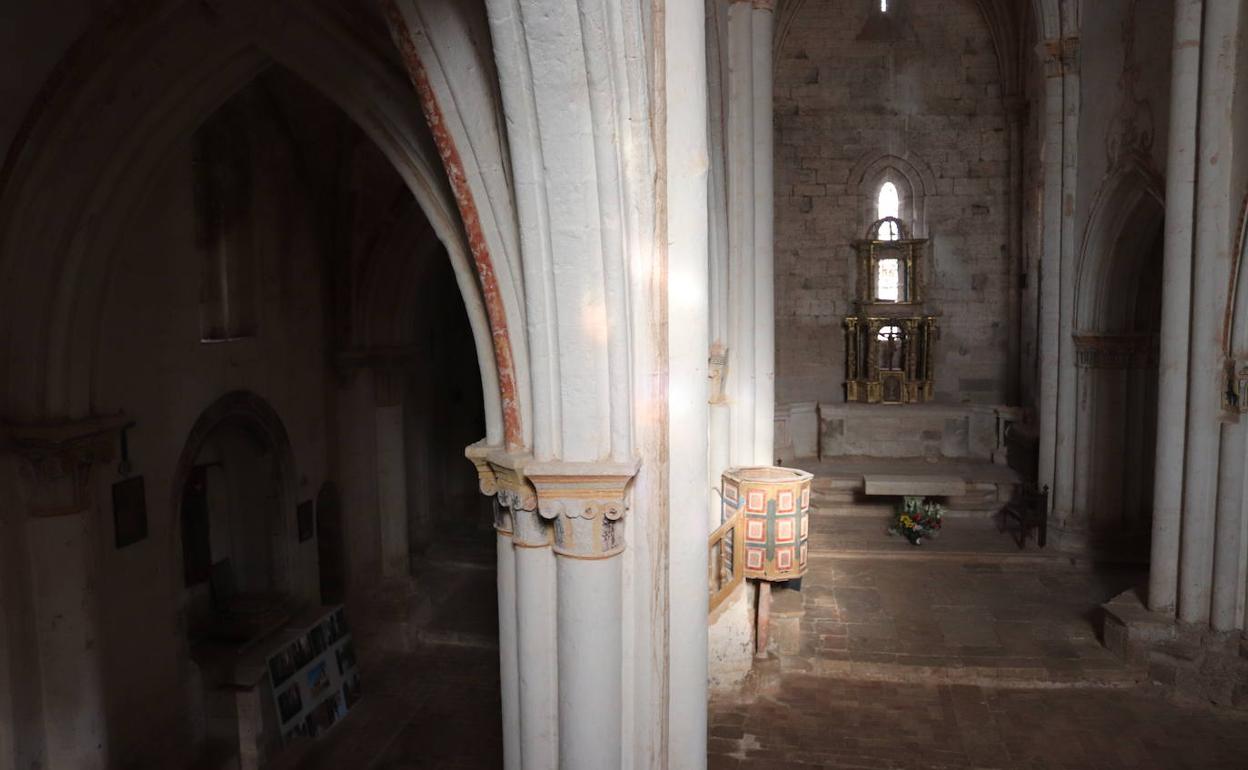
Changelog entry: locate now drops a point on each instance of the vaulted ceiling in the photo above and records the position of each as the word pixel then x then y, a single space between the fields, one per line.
pixel 1007 19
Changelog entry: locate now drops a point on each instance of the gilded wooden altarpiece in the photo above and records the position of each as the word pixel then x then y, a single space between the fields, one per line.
pixel 889 341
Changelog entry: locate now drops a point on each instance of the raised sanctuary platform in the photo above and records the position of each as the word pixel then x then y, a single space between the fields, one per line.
pixel 961 431
pixel 923 431
pixel 857 486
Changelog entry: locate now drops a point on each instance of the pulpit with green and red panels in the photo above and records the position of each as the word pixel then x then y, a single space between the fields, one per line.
pixel 774 506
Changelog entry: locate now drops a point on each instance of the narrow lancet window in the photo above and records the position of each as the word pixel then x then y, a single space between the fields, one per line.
pixel 888 204
pixel 883 6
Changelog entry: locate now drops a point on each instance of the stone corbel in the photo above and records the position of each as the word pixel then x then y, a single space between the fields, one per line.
pixel 586 503
pixel 501 474
pixel 479 455
pixel 58 458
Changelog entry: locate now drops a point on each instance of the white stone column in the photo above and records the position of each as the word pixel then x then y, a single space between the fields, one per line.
pixel 586 503
pixel 688 289
pixel 1176 306
pixel 527 611
pixel 764 204
pixel 1050 263
pixel 391 474
pixel 65 585
pixel 1211 264
pixel 508 654
pixel 742 307
pixel 721 317
pixel 537 643
pixel 1229 554
pixel 1057 275
pixel 1063 495
pixel 58 462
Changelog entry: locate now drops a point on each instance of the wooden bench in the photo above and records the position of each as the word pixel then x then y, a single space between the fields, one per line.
pixel 1030 508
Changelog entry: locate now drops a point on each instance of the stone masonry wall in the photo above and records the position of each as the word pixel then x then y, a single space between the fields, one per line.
pixel 933 97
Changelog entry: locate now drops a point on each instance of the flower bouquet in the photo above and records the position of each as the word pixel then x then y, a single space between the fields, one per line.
pixel 916 518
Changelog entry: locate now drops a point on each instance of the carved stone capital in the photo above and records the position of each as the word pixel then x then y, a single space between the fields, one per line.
pixel 501 474
pixel 586 503
pixel 1116 351
pixel 530 530
pixel 58 458
pixel 504 520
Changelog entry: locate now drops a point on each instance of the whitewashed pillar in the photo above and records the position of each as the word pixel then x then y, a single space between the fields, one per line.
pixel 749 201
pixel 740 126
pixel 688 289
pixel 527 612
pixel 1211 266
pixel 1063 494
pixel 1057 366
pixel 59 462
pixel 764 211
pixel 508 619
pixel 586 503
pixel 391 473
pixel 508 655
pixel 720 316
pixel 1176 306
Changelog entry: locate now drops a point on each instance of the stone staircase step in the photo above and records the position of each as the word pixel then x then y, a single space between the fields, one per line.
pixel 962 672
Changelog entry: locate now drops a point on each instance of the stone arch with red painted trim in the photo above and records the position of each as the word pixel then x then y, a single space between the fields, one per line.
pixel 64 205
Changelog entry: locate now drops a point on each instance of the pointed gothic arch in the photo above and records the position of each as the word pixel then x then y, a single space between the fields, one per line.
pixel 64 207
pixel 1116 325
pixel 1235 326
pixel 1126 215
pixel 914 180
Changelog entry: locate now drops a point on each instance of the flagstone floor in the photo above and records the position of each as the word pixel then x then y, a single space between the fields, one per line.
pixel 961 653
pixel 938 620
pixel 816 722
pixel 966 654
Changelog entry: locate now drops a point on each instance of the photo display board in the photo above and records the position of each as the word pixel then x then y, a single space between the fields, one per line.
pixel 314 676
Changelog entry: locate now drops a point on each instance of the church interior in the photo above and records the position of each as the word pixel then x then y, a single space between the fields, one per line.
pixel 623 384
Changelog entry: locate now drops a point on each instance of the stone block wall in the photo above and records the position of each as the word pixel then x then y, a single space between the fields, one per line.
pixel 843 107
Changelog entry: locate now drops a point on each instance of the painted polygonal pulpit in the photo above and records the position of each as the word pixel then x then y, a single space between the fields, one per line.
pixel 774 504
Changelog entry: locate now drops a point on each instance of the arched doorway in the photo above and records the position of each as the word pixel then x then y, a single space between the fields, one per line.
pixel 234 498
pixel 1118 318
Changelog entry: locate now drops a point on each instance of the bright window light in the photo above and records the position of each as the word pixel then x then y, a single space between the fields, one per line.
pixel 888 281
pixel 883 6
pixel 888 203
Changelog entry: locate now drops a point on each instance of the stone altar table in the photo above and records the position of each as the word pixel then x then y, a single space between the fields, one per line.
pixel 913 486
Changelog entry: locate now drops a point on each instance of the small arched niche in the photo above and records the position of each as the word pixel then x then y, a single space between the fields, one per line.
pixel 233 497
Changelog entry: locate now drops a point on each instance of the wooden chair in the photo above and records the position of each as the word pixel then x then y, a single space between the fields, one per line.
pixel 1030 508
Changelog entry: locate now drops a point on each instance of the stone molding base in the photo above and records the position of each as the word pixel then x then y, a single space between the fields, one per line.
pixel 1191 661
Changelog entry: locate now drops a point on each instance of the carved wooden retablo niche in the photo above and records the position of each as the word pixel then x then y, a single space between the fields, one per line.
pixel 889 340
